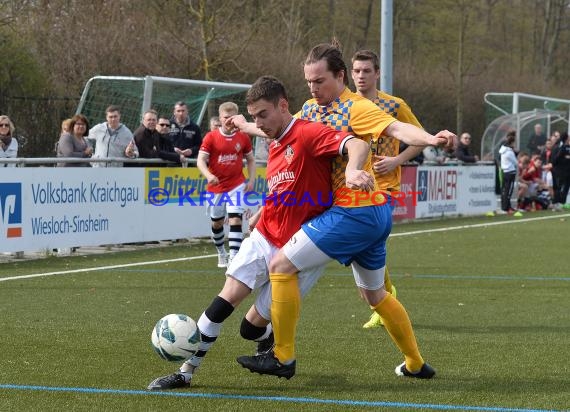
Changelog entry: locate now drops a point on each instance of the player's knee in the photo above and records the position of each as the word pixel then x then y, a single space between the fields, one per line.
pixel 281 264
pixel 235 218
pixel 217 222
pixel 373 297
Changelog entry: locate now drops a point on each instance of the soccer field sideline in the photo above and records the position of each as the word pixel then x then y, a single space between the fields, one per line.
pixel 393 235
pixel 292 400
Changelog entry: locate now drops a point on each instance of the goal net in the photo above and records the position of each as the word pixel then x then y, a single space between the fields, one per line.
pixel 135 95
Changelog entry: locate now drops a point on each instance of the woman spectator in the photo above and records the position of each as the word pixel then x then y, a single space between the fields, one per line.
pixel 8 143
pixel 74 144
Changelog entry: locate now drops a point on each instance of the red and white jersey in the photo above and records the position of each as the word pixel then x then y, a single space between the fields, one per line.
pixel 299 178
pixel 226 153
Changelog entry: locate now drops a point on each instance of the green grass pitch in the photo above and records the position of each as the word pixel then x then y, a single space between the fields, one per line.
pixel 490 307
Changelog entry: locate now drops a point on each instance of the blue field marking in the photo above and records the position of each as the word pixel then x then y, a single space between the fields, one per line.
pixel 270 398
pixel 462 277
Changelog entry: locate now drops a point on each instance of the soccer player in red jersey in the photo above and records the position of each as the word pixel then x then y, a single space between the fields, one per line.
pixel 299 177
pixel 220 160
pixel 353 231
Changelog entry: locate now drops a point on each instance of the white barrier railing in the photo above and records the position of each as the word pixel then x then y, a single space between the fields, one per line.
pixel 42 208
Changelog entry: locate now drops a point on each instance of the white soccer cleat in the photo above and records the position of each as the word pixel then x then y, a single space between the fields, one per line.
pixel 222 260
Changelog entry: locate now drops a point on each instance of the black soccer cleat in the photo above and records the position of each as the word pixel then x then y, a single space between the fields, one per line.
pixel 265 345
pixel 426 372
pixel 267 364
pixel 173 381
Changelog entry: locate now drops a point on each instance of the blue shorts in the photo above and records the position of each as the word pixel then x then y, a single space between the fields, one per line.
pixel 350 234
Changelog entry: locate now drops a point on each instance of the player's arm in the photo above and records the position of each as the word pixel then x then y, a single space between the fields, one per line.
pixel 414 136
pixel 358 153
pixel 385 164
pixel 247 127
pixel 250 171
pixel 255 218
pixel 202 164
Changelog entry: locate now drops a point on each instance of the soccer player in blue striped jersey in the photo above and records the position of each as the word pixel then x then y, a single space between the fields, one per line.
pixel 385 149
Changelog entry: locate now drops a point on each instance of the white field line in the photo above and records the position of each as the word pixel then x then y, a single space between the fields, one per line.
pixel 125 265
pixel 505 222
pixel 154 262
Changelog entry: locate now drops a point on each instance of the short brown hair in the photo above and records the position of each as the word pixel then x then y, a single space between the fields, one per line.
pixel 112 108
pixel 267 88
pixel 367 55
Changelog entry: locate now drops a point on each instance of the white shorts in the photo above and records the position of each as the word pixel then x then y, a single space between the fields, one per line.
pixel 251 267
pixel 305 255
pixel 232 202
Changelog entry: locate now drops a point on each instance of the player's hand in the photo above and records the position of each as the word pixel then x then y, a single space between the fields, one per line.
pixel 213 180
pixel 249 186
pixel 238 121
pixel 359 179
pixel 186 152
pixel 384 164
pixel 445 139
pixel 254 219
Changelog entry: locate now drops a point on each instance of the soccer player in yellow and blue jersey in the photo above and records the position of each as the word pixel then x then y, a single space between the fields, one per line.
pixel 387 158
pixel 353 231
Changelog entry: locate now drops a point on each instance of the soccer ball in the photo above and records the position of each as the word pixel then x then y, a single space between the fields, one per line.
pixel 175 337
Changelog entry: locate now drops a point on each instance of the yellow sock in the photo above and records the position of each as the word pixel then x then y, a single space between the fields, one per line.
pixel 398 325
pixel 387 280
pixel 285 309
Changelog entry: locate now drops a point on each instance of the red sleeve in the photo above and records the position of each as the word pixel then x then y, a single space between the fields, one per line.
pixel 207 143
pixel 322 140
pixel 247 147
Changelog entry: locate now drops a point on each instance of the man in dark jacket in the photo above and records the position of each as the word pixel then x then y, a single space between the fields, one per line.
pixel 185 135
pixel 561 162
pixel 152 145
pixel 537 140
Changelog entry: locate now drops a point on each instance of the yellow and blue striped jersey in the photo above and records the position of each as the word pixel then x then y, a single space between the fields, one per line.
pixel 357 115
pixel 387 145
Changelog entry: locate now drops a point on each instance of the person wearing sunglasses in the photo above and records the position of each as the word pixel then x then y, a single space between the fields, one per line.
pixel 8 143
pixel 152 141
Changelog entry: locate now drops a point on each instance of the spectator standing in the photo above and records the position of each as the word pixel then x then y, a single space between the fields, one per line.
pixel 463 152
pixel 74 142
pixel 185 135
pixel 65 127
pixel 215 123
pixel 221 161
pixel 163 127
pixel 562 166
pixel 150 142
pixel 536 140
pixel 112 139
pixel 509 170
pixel 438 155
pixel 8 143
pixel 546 153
